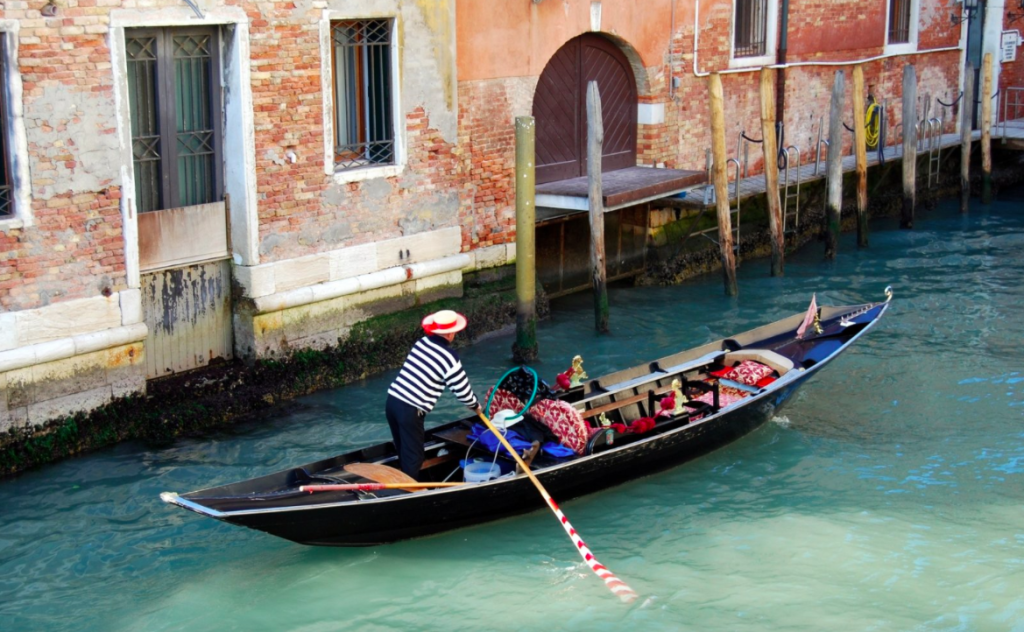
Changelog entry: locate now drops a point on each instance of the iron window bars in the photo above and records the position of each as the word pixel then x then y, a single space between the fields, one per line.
pixel 174 98
pixel 363 108
pixel 750 32
pixel 899 21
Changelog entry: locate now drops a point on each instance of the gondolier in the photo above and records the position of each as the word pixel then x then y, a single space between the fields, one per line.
pixel 431 366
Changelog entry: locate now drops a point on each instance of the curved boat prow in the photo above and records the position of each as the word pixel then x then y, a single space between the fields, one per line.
pixel 172 498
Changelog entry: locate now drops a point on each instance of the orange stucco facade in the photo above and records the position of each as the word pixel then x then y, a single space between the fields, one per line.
pixel 516 39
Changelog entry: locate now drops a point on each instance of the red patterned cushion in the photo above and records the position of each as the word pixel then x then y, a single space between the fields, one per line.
pixel 748 372
pixel 503 400
pixel 564 421
pixel 764 381
pixel 726 396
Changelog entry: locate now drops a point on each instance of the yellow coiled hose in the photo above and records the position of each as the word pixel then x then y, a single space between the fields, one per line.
pixel 872 126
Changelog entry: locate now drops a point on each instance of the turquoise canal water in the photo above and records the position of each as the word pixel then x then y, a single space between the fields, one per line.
pixel 888 496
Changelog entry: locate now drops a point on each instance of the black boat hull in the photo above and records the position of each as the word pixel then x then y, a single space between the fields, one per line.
pixel 275 504
pixel 387 520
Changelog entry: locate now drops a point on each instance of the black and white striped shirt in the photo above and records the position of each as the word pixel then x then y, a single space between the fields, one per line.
pixel 431 365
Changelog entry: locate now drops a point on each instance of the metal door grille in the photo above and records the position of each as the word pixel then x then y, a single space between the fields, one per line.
pixel 173 86
pixel 751 28
pixel 363 109
pixel 899 21
pixel 194 119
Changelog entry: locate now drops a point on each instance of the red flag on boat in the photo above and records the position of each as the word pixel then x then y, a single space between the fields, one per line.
pixel 812 312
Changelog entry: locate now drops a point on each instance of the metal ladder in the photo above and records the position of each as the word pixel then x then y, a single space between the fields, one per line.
pixel 710 198
pixel 934 131
pixel 821 141
pixel 791 151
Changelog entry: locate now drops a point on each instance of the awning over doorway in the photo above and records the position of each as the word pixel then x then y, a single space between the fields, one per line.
pixel 621 188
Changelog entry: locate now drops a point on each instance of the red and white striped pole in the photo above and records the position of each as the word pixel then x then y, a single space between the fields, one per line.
pixel 616 585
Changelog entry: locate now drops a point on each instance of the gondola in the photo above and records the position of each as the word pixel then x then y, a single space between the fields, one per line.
pixel 716 411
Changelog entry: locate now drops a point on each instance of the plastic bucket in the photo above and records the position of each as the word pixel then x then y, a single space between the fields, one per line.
pixel 480 471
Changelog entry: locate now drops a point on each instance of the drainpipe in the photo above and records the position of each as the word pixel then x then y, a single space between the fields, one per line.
pixel 780 88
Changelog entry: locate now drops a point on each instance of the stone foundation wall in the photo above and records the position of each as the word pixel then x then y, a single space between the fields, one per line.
pixel 35 394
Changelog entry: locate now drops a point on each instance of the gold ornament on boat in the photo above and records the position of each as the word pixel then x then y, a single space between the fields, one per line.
pixel 677 396
pixel 578 374
pixel 603 419
pixel 817 323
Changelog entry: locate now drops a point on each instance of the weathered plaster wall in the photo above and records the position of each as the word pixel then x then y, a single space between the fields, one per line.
pixel 74 247
pixel 302 209
pixel 516 39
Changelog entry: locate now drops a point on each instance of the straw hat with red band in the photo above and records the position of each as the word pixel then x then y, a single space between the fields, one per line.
pixel 444 322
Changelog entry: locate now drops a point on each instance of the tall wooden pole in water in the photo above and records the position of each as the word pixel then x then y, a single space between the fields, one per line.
pixel 909 146
pixel 986 130
pixel 860 146
pixel 721 179
pixel 966 127
pixel 595 150
pixel 835 166
pixel 525 347
pixel 771 172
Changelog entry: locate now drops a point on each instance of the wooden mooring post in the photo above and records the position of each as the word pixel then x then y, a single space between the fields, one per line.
pixel 833 216
pixel 966 127
pixel 525 347
pixel 986 129
pixel 595 149
pixel 721 180
pixel 770 147
pixel 909 146
pixel 861 151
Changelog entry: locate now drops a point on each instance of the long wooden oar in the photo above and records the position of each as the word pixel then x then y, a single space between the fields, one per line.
pixel 616 585
pixel 372 487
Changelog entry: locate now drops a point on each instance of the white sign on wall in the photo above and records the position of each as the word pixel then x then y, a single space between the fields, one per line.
pixel 1008 46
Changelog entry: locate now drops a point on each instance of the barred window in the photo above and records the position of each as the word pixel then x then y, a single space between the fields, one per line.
pixel 899 21
pixel 6 190
pixel 361 66
pixel 750 30
pixel 174 97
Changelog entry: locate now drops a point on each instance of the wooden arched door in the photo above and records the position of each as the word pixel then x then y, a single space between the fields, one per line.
pixel 560 108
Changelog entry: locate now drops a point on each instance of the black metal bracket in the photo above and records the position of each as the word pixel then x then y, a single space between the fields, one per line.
pixel 966 14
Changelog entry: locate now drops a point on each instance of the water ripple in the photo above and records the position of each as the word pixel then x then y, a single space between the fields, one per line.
pixel 886 496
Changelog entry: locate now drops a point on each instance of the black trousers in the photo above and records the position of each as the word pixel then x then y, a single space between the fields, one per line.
pixel 406 424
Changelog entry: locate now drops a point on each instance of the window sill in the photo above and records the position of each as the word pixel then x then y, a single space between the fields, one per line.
pixel 747 62
pixel 11 223
pixel 366 173
pixel 900 49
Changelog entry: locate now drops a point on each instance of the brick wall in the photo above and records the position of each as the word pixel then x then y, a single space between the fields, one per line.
pixel 75 247
pixel 1011 74
pixel 302 210
pixel 487 111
